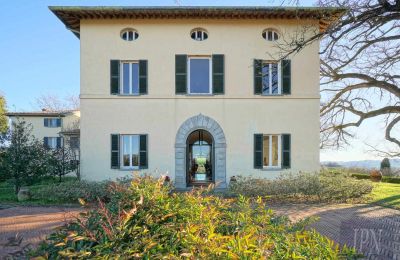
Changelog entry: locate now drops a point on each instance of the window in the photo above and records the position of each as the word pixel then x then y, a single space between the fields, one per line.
pixel 130 78
pixel 270 35
pixel 199 34
pixel 52 122
pixel 129 34
pixel 271 151
pixel 199 77
pixel 74 142
pixel 270 78
pixel 130 151
pixel 52 142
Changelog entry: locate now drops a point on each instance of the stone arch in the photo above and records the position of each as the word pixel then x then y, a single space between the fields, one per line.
pixel 195 123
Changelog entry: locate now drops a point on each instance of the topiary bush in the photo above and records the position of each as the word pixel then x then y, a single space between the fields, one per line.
pixel 305 186
pixel 147 221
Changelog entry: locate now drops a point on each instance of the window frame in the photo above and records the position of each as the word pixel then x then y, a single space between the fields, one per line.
pixel 53 119
pixel 48 142
pixel 269 62
pixel 121 78
pixel 210 90
pixel 279 166
pixel 127 31
pixel 274 32
pixel 202 32
pixel 121 152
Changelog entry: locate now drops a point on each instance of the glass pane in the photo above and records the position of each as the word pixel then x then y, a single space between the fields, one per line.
pixel 269 35
pixel 125 80
pixel 266 151
pixel 125 150
pixel 130 33
pixel 199 76
pixel 274 150
pixel 274 75
pixel 135 150
pixel 265 78
pixel 135 78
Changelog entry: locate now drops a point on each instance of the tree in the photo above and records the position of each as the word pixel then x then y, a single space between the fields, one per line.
pixel 3 117
pixel 55 103
pixel 360 64
pixel 62 161
pixel 24 161
pixel 385 167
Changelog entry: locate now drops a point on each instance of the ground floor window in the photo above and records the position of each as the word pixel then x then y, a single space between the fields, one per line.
pixel 52 142
pixel 130 151
pixel 271 151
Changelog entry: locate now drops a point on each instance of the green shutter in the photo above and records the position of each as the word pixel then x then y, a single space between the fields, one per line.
pixel 46 142
pixel 58 122
pixel 257 77
pixel 218 73
pixel 115 151
pixel 258 151
pixel 114 77
pixel 59 140
pixel 46 122
pixel 286 76
pixel 143 162
pixel 142 77
pixel 180 74
pixel 286 151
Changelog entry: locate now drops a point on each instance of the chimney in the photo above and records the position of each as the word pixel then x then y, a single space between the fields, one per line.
pixel 44 109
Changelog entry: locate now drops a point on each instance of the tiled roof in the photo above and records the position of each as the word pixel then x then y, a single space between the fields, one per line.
pixel 40 113
pixel 71 15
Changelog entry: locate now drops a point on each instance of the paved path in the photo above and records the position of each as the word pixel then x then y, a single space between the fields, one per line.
pixel 32 224
pixel 372 230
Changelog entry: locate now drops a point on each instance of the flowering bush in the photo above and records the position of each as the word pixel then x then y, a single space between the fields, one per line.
pixel 147 221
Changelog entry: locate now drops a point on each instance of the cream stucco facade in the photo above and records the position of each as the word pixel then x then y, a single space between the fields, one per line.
pixel 161 113
pixel 69 120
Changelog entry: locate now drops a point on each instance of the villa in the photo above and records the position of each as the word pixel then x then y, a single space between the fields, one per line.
pixel 198 93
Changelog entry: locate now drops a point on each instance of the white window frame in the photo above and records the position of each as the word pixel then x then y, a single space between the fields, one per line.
pixel 269 62
pixel 273 34
pixel 121 144
pixel 279 166
pixel 210 75
pixel 52 142
pixel 121 76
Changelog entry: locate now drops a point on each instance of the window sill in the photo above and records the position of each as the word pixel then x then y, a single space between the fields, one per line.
pixel 129 169
pixel 271 169
pixel 129 95
pixel 195 94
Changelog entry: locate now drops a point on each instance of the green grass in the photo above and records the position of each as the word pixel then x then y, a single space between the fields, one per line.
pixel 8 196
pixel 386 195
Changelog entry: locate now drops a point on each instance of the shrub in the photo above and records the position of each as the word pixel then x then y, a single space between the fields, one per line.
pixel 375 175
pixel 390 179
pixel 71 191
pixel 309 186
pixel 147 221
pixel 360 176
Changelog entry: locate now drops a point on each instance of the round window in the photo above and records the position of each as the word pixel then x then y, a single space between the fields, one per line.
pixel 270 35
pixel 129 34
pixel 199 34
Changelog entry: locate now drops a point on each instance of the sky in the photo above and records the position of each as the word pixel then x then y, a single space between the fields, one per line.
pixel 40 57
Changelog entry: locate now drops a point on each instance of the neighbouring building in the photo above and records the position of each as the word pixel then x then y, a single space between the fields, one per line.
pixel 197 93
pixel 55 128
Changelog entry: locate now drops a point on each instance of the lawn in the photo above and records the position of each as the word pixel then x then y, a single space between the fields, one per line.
pixel 8 196
pixel 386 195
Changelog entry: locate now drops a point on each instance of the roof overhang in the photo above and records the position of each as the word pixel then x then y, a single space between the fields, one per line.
pixel 40 114
pixel 72 15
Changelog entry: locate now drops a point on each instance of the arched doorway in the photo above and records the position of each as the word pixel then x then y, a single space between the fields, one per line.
pixel 200 158
pixel 218 155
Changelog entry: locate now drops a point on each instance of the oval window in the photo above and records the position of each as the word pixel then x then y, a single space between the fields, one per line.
pixel 129 34
pixel 270 35
pixel 199 34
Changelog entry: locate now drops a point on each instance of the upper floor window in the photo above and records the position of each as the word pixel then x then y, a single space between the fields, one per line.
pixel 130 78
pixel 270 35
pixel 199 34
pixel 270 78
pixel 52 122
pixel 129 34
pixel 199 75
